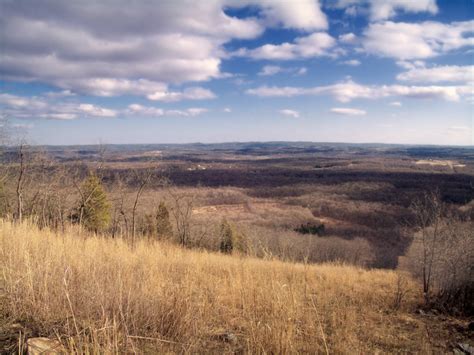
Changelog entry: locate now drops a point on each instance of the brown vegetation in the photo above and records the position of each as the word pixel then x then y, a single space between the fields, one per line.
pixel 98 295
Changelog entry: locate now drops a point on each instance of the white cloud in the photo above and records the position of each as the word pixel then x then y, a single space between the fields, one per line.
pixel 62 93
pixel 96 111
pixel 268 70
pixel 348 90
pixel 137 47
pixel 113 87
pixel 140 110
pixel 227 110
pixel 192 93
pixel 290 113
pixel 348 111
pixel 405 64
pixel 302 71
pixel 384 9
pixel 17 102
pixel 352 62
pixel 351 11
pixel 417 40
pixel 20 107
pixel 396 103
pixel 145 110
pixel 108 87
pixel 195 111
pixel 348 38
pixel 302 14
pixel 315 45
pixel 276 91
pixel 448 73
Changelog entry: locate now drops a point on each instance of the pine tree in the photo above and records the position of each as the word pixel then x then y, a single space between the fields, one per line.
pixel 226 236
pixel 163 224
pixel 94 209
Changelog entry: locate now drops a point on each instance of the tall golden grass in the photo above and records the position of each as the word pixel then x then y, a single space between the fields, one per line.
pixel 98 295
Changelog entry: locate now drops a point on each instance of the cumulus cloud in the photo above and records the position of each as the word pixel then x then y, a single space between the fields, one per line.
pixel 348 38
pixel 314 45
pixel 137 47
pixel 384 9
pixel 40 107
pixel 345 111
pixel 144 110
pixel 302 71
pixel 18 102
pixel 192 93
pixel 352 62
pixel 417 40
pixel 20 107
pixel 302 14
pixel 140 110
pixel 290 113
pixel 448 73
pixel 277 91
pixel 396 103
pixel 62 93
pixel 268 70
pixel 96 111
pixel 406 64
pixel 349 90
pixel 195 111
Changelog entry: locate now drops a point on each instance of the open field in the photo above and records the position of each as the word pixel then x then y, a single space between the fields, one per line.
pixel 98 295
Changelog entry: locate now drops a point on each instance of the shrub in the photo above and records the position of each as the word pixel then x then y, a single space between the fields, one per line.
pixel 231 239
pixel 450 258
pixel 162 221
pixel 226 236
pixel 94 208
pixel 442 256
pixel 311 228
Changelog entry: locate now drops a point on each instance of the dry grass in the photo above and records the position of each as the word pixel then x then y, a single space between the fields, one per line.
pixel 100 296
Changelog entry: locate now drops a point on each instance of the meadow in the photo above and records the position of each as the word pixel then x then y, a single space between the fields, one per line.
pixel 99 295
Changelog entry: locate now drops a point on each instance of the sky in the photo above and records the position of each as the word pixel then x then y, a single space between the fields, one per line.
pixel 181 71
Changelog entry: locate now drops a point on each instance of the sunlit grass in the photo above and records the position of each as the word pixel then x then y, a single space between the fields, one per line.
pixel 98 295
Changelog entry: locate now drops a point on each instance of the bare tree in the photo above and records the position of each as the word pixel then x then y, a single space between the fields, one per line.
pixel 4 167
pixel 20 180
pixel 428 213
pixel 182 212
pixel 142 178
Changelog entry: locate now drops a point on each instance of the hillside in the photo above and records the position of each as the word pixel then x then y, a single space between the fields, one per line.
pixel 98 295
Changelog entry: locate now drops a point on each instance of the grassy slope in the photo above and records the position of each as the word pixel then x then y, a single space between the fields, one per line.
pixel 98 294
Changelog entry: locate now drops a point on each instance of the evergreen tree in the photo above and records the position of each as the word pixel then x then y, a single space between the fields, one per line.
pixel 163 224
pixel 226 236
pixel 94 209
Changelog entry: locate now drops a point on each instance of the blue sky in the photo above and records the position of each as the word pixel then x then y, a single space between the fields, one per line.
pixel 389 71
